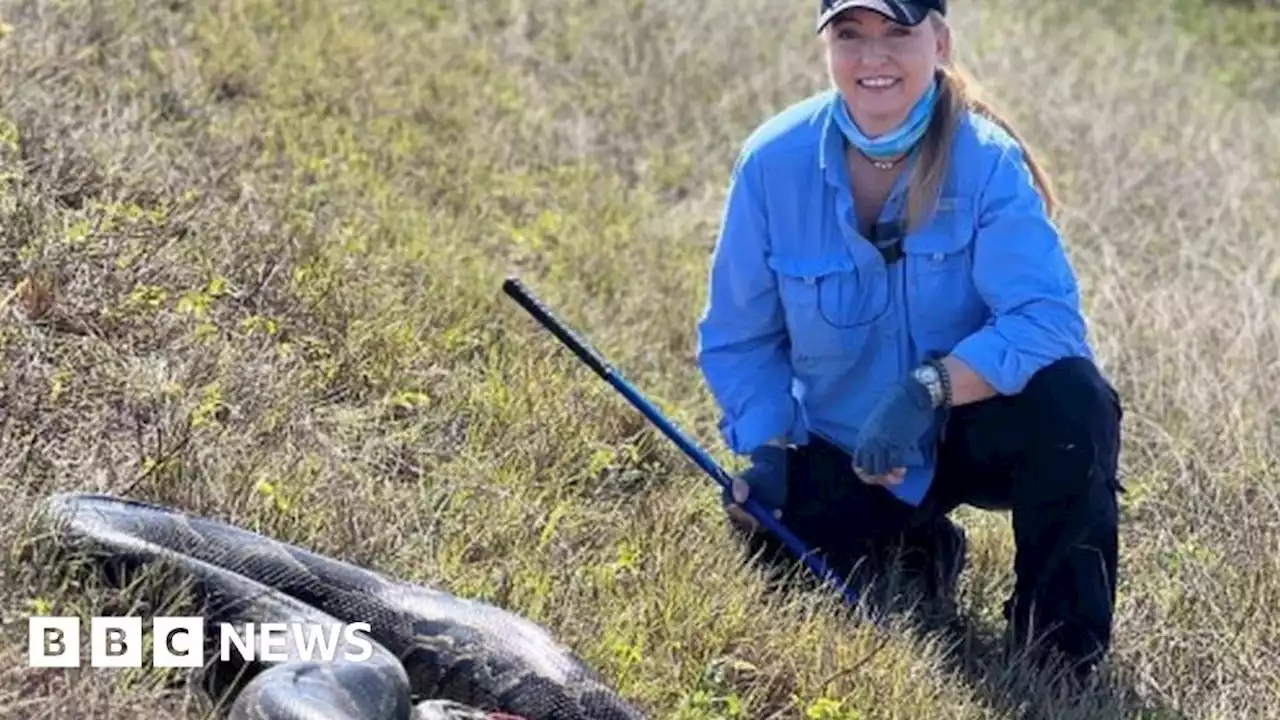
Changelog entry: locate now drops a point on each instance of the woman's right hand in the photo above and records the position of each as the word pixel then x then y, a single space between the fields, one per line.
pixel 766 480
pixel 740 517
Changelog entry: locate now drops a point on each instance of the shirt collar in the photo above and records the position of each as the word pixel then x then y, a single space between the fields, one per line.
pixel 831 160
pixel 835 169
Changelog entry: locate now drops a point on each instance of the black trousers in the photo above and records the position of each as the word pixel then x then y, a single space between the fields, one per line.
pixel 1048 455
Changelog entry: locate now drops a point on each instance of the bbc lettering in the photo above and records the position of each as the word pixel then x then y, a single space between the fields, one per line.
pixel 178 642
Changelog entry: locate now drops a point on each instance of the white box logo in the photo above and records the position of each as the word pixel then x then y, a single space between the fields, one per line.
pixel 179 642
pixel 116 642
pixel 53 642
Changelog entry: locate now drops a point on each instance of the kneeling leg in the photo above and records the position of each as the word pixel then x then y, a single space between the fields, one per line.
pixel 1065 514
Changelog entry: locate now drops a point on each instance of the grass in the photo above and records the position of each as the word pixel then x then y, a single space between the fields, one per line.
pixel 251 253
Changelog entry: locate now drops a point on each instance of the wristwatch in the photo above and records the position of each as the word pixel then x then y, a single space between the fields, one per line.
pixel 934 377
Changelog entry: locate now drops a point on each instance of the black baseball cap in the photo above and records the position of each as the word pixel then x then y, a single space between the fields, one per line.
pixel 903 12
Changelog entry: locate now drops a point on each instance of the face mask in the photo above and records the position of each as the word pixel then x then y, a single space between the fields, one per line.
pixel 896 141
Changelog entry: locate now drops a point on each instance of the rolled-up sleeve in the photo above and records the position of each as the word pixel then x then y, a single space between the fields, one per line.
pixel 1021 269
pixel 742 337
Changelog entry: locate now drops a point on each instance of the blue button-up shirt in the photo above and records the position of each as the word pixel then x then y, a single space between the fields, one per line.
pixel 806 325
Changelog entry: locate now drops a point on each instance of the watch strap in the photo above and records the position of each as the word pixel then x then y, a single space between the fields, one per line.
pixel 944 379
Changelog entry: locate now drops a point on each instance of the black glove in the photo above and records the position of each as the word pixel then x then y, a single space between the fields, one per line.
pixel 890 436
pixel 766 478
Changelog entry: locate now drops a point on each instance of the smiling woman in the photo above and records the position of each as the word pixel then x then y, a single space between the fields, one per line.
pixel 893 330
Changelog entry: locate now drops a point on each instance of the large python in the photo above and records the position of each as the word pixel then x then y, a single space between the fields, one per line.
pixel 435 655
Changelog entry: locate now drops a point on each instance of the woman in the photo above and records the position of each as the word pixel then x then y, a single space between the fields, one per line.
pixel 893 329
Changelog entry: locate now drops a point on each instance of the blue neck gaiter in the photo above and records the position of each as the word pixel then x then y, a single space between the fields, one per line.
pixel 896 141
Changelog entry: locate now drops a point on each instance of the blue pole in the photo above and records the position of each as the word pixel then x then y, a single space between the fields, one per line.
pixel 514 288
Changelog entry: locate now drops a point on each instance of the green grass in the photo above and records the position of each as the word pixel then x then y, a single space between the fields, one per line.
pixel 1237 41
pixel 257 250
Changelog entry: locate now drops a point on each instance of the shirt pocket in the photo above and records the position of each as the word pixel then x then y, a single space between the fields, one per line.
pixel 943 303
pixel 833 303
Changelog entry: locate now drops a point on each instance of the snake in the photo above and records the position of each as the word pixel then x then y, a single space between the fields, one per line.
pixel 435 655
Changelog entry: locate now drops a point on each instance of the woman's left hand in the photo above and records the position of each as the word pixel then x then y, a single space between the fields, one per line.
pixel 892 430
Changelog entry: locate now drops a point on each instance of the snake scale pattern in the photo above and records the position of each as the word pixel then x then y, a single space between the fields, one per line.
pixel 436 656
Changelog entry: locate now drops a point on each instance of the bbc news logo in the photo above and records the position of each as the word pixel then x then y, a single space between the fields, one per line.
pixel 178 642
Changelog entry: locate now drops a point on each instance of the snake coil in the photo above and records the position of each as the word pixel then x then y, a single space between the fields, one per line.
pixel 435 656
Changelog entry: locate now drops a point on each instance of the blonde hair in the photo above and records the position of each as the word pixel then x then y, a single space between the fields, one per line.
pixel 957 94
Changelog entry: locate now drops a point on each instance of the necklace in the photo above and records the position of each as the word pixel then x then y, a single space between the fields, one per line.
pixel 883 164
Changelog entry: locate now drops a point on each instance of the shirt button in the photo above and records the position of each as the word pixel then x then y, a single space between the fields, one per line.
pixel 937 257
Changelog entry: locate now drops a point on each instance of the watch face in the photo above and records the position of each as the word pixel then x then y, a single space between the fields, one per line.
pixel 928 374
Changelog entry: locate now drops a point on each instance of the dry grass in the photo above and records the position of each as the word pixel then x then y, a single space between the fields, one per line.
pixel 255 250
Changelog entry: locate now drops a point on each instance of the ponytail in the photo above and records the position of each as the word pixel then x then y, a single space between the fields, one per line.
pixel 957 95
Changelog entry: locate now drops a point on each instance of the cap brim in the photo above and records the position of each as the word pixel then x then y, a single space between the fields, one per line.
pixel 901 13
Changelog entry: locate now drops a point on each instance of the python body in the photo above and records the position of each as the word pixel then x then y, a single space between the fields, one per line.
pixel 455 658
